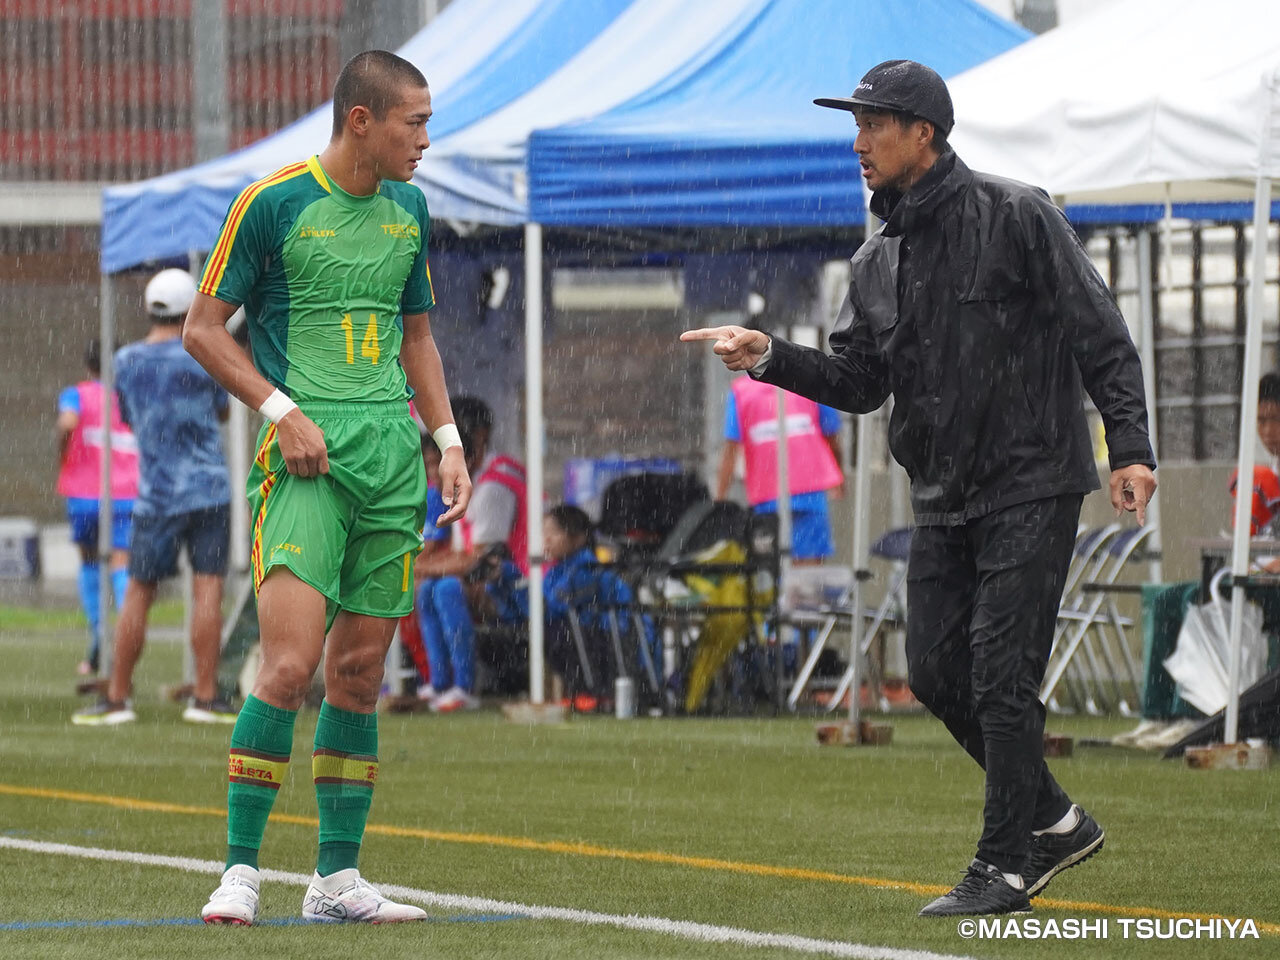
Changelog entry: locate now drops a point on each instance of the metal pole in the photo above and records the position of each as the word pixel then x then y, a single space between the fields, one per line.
pixel 1244 461
pixel 533 447
pixel 1147 346
pixel 861 498
pixel 107 338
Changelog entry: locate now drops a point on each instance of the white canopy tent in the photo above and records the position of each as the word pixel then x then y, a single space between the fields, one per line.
pixel 1146 101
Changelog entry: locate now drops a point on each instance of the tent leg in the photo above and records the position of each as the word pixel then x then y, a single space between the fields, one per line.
pixel 1244 462
pixel 107 338
pixel 1146 313
pixel 533 449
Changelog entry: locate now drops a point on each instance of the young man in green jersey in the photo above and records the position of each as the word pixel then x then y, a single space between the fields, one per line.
pixel 329 258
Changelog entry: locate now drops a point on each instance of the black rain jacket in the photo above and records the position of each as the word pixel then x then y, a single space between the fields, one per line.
pixel 977 307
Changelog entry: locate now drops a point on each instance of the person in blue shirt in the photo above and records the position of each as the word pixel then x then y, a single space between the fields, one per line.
pixel 441 607
pixel 575 582
pixel 184 493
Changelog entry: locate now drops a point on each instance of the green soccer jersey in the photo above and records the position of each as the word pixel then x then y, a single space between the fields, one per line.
pixel 325 279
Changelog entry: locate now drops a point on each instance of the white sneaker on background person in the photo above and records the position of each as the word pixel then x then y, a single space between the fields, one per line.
pixel 346 897
pixel 454 699
pixel 235 901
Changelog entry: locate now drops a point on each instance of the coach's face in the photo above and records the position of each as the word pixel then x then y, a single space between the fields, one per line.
pixel 398 140
pixel 893 156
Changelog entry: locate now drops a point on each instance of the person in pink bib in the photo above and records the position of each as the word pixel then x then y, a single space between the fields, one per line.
pixel 813 455
pixel 80 442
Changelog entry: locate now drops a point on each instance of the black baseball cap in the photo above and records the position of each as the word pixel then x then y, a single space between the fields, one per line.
pixel 903 86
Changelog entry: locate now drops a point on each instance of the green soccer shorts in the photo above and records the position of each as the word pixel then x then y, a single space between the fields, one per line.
pixel 351 533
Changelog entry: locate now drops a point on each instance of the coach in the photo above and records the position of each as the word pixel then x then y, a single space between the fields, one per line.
pixel 976 306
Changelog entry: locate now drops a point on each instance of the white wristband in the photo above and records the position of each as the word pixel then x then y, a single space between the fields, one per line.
pixel 277 406
pixel 447 436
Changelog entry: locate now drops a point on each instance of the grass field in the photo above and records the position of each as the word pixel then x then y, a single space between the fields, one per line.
pixel 742 824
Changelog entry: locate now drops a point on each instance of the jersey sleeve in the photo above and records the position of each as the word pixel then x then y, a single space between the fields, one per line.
pixel 240 255
pixel 828 420
pixel 419 296
pixel 732 430
pixel 69 400
pixel 435 510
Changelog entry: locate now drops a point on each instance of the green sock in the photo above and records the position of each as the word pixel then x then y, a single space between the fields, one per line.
pixel 260 744
pixel 345 766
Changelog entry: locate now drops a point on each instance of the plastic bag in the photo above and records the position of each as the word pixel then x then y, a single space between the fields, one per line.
pixel 1201 662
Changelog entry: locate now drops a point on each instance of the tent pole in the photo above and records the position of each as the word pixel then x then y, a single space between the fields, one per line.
pixel 1244 462
pixel 106 340
pixel 1147 347
pixel 533 447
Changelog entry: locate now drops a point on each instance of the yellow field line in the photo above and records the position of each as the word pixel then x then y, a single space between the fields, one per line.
pixel 591 850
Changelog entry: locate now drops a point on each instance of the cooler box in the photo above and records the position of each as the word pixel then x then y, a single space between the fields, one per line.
pixel 19 549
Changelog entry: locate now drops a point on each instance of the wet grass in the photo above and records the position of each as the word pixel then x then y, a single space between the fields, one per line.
pixel 459 797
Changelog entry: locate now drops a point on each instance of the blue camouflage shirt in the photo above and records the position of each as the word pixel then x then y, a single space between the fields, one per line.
pixel 173 407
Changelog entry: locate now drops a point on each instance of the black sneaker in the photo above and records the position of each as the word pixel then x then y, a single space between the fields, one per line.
pixel 1051 853
pixel 984 890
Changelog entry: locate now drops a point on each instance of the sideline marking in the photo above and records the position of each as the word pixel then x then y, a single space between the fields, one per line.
pixel 197 922
pixel 684 929
pixel 591 850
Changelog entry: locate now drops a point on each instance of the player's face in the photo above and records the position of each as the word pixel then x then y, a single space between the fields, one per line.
pixel 1269 426
pixel 399 139
pixel 892 156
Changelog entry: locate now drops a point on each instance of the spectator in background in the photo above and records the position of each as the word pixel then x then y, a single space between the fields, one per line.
pixel 174 407
pixel 813 448
pixel 80 438
pixel 441 608
pixel 1266 486
pixel 496 526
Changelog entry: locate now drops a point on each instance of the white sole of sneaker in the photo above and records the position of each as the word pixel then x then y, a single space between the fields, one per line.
pixel 1077 858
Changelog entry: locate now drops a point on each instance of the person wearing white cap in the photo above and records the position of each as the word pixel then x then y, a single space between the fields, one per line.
pixel 184 496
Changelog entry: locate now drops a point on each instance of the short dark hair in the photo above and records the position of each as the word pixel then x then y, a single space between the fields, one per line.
pixel 572 520
pixel 939 141
pixel 372 79
pixel 472 415
pixel 93 356
pixel 1269 388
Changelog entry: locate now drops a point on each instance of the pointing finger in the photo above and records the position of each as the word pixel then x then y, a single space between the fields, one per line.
pixel 704 333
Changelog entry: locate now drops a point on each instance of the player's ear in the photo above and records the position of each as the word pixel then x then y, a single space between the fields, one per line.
pixel 358 119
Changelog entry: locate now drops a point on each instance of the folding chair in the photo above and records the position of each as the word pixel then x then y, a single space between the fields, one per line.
pixel 1083 620
pixel 894 546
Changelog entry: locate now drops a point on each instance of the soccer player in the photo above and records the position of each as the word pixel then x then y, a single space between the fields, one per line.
pixel 329 258
pixel 79 462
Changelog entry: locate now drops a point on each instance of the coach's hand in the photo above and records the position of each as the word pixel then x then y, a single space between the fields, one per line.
pixel 738 347
pixel 1132 488
pixel 302 445
pixel 455 486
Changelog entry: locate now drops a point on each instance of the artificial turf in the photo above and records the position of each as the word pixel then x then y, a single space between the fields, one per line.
pixel 769 831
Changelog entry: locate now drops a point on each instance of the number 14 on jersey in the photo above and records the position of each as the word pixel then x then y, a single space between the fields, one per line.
pixel 368 344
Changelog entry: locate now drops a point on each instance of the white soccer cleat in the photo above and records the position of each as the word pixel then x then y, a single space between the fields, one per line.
pixel 236 899
pixel 346 897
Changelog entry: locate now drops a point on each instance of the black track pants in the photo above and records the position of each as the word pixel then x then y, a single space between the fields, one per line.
pixel 981 603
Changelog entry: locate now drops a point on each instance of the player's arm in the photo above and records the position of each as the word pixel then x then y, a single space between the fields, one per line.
pixel 68 420
pixel 421 361
pixel 205 337
pixel 728 461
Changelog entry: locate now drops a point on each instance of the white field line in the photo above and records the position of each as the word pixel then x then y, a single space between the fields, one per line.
pixel 684 929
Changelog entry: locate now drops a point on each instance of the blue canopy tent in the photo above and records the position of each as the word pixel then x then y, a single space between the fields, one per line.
pixel 733 138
